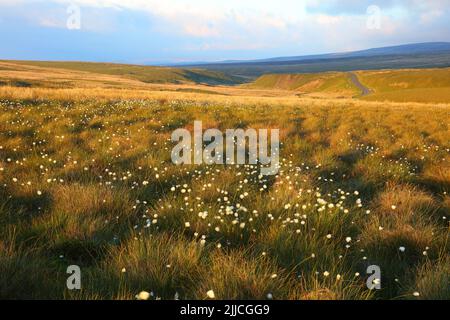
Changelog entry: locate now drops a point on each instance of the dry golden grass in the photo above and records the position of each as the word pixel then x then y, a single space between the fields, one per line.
pixel 86 178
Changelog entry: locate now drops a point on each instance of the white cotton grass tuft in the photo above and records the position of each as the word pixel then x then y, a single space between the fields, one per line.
pixel 210 294
pixel 143 295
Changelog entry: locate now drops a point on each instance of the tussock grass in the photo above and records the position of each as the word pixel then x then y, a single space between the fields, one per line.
pixel 86 178
pixel 431 282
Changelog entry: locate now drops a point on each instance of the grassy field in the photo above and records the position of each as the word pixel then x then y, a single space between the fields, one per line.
pixel 89 181
pixel 413 85
pixel 424 85
pixel 86 178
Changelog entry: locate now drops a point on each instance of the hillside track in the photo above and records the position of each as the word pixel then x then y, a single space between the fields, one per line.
pixel 355 80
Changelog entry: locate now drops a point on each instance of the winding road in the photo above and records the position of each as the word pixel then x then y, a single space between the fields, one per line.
pixel 364 90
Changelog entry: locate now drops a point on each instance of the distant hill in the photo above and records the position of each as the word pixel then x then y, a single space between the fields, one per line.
pixel 146 74
pixel 420 55
pixel 406 49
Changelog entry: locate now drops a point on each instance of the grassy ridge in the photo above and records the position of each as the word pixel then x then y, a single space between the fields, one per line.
pixel 424 85
pixel 392 80
pixel 147 74
pixel 412 85
pixel 331 83
pixel 424 95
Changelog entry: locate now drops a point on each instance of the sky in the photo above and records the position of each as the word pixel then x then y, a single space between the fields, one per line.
pixel 178 31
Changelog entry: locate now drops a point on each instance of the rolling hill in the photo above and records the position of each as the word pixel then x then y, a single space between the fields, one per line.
pixel 330 84
pixel 405 85
pixel 421 55
pixel 399 85
pixel 417 48
pixel 424 85
pixel 146 74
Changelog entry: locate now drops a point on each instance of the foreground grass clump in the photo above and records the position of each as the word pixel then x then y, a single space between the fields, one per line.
pixel 90 182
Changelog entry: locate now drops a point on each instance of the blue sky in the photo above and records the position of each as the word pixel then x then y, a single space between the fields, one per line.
pixel 150 31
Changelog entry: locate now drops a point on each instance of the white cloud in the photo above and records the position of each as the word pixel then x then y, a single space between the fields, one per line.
pixel 328 19
pixel 202 18
pixel 430 16
pixel 255 24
